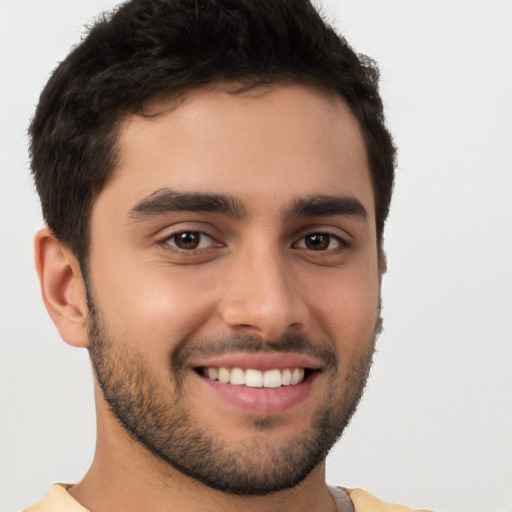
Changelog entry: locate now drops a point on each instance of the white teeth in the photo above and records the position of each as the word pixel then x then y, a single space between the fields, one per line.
pixel 224 375
pixel 272 379
pixel 256 378
pixel 212 373
pixel 253 378
pixel 297 376
pixel 237 377
pixel 286 377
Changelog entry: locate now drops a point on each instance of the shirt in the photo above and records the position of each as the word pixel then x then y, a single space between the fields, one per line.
pixel 347 500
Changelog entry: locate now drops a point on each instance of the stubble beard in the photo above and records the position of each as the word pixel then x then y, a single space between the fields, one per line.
pixel 166 427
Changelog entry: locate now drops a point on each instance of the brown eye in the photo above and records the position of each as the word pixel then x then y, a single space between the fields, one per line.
pixel 190 240
pixel 319 242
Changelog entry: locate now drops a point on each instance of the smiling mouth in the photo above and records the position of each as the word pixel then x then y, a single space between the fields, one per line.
pixel 252 378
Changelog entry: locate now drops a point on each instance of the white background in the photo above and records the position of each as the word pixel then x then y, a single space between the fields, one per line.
pixel 435 427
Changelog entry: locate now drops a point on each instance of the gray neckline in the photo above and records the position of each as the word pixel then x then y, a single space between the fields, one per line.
pixel 342 499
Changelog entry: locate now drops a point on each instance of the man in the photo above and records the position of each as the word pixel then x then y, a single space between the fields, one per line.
pixel 215 177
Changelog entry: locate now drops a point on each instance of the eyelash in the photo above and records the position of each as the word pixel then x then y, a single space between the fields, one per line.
pixel 166 241
pixel 319 235
pixel 301 244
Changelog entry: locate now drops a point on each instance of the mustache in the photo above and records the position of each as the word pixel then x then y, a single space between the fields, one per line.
pixel 288 342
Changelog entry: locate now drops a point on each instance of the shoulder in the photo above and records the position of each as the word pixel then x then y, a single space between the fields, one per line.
pixel 57 500
pixel 365 502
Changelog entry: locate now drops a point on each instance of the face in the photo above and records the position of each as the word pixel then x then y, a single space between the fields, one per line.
pixel 234 283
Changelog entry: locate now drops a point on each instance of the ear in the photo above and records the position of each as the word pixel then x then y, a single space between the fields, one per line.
pixel 62 288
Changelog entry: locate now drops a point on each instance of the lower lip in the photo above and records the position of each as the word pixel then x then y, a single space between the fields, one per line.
pixel 261 401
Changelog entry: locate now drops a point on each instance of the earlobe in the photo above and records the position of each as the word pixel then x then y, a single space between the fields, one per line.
pixel 62 288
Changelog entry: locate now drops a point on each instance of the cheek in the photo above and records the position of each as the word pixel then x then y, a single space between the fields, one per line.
pixel 346 306
pixel 154 305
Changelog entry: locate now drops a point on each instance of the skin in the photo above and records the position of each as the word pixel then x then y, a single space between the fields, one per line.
pixel 253 274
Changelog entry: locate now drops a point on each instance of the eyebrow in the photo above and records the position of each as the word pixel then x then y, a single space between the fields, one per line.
pixel 326 205
pixel 166 200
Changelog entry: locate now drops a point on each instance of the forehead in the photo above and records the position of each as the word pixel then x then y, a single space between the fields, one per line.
pixel 279 143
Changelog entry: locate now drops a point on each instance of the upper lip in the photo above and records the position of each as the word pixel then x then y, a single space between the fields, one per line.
pixel 260 361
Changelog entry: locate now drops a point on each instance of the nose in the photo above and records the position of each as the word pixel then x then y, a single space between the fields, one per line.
pixel 262 297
